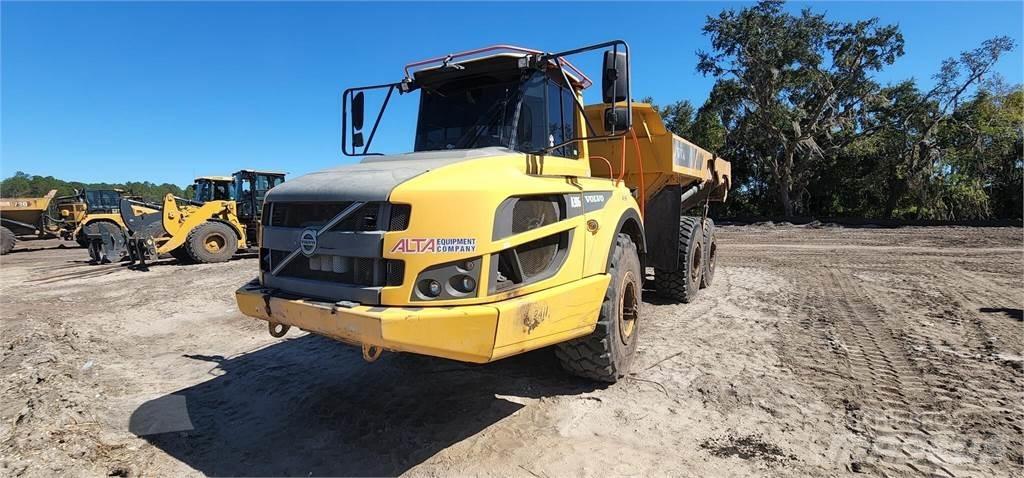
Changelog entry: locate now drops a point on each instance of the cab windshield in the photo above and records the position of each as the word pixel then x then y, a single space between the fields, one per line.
pixel 522 113
pixel 212 191
pixel 101 201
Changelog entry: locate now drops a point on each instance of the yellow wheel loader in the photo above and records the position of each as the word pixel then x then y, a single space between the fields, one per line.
pixel 210 228
pixel 88 212
pixel 521 220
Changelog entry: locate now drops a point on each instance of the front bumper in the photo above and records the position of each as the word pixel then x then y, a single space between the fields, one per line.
pixel 470 333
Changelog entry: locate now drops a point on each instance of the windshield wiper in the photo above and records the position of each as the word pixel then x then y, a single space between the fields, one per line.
pixel 486 120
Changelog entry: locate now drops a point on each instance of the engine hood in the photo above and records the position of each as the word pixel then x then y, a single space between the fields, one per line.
pixel 373 178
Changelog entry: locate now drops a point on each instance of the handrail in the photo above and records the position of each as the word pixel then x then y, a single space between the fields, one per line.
pixel 451 56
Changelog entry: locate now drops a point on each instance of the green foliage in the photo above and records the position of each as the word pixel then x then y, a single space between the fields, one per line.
pixel 809 132
pixel 27 185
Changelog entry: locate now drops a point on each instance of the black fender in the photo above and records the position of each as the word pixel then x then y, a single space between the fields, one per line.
pixel 629 223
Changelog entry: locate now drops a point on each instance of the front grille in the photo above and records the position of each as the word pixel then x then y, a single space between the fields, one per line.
pixel 530 262
pixel 357 271
pixel 399 217
pixel 372 216
pixel 396 272
pixel 536 256
pixel 303 215
pixel 533 212
pixel 333 275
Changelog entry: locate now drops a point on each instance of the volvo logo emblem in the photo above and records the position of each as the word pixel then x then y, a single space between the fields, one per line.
pixel 307 242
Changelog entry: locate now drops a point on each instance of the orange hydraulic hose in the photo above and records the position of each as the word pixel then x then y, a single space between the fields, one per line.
pixel 622 162
pixel 609 163
pixel 640 161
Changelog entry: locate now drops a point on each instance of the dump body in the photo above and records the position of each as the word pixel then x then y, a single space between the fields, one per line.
pixel 25 216
pixel 667 159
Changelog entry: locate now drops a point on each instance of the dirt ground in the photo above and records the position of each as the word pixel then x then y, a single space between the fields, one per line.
pixel 817 351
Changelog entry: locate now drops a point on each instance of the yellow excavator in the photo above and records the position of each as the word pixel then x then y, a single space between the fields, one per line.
pixel 212 227
pixel 522 219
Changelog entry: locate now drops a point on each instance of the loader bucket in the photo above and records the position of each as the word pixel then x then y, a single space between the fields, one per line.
pixel 143 228
pixel 108 245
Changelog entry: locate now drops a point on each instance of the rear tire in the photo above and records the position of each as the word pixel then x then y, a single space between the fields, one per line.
pixel 606 354
pixel 683 283
pixel 181 255
pixel 211 242
pixel 710 254
pixel 6 240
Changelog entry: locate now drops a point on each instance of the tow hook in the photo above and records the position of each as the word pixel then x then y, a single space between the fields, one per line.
pixel 371 353
pixel 278 330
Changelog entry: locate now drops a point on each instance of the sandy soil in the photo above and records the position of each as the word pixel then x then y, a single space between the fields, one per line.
pixel 818 351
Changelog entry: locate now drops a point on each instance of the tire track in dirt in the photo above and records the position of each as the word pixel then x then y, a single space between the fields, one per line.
pixel 892 395
pixel 886 397
pixel 975 384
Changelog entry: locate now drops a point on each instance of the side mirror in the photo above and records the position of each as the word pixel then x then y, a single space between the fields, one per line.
pixel 614 81
pixel 616 119
pixel 358 106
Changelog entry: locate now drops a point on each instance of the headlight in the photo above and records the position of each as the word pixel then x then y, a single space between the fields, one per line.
pixel 453 280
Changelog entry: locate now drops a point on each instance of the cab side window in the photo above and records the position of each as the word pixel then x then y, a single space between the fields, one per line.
pixel 561 119
pixel 547 117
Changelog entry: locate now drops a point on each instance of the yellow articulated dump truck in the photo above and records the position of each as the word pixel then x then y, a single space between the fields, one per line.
pixel 212 227
pixel 521 220
pixel 23 217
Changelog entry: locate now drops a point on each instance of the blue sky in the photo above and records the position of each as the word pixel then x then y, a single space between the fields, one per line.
pixel 167 91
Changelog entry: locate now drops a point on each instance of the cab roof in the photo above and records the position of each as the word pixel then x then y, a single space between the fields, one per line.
pixel 492 58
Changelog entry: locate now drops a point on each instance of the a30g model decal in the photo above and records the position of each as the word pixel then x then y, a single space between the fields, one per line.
pixel 434 245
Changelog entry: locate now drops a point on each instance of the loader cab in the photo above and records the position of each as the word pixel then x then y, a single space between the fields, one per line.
pixel 102 201
pixel 250 189
pixel 213 188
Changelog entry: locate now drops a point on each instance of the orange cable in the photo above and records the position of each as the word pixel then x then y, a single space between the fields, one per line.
pixel 640 161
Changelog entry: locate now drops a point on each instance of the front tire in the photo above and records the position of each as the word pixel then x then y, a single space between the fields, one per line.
pixel 211 242
pixel 683 283
pixel 6 240
pixel 606 354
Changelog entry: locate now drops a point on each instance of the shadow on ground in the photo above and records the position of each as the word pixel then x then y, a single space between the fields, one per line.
pixel 311 406
pixel 1015 314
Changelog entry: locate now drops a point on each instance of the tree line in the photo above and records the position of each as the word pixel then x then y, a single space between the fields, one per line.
pixel 809 132
pixel 26 185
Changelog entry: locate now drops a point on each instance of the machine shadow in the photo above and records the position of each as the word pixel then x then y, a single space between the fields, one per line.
pixel 311 406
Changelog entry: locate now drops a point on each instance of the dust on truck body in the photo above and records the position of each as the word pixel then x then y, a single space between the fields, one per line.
pixel 516 223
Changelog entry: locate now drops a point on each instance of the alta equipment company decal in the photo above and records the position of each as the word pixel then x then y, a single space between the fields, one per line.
pixel 434 245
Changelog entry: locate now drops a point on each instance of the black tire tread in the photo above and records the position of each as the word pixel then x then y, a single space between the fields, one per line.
pixel 194 245
pixel 676 284
pixel 592 356
pixel 6 240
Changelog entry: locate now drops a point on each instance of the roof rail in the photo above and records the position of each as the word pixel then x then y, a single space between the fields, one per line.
pixel 586 82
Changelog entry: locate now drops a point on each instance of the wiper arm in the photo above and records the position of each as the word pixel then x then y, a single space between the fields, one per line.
pixel 479 126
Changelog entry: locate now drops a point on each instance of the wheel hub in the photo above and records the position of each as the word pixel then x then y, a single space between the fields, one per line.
pixel 695 263
pixel 214 243
pixel 629 307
